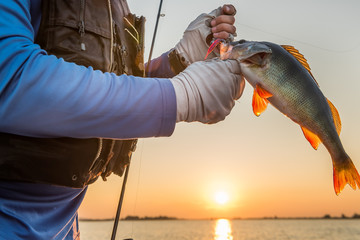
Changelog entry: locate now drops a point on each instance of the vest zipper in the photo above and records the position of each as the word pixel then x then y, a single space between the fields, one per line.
pixel 100 146
pixel 81 24
pixel 111 54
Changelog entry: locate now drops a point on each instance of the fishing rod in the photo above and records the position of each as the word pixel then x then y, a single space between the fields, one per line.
pixel 118 211
pixel 154 35
pixel 116 222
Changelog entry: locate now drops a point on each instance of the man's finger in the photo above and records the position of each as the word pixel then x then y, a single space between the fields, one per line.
pixel 223 19
pixel 224 28
pixel 228 9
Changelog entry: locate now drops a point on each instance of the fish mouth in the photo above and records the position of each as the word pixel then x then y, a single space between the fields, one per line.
pixel 255 59
pixel 250 53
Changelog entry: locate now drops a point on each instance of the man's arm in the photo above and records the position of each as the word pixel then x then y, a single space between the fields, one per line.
pixel 43 96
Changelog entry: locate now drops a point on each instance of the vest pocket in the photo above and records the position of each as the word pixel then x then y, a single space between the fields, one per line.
pixel 78 35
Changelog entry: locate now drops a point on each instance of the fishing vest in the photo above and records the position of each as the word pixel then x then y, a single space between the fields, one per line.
pixel 102 34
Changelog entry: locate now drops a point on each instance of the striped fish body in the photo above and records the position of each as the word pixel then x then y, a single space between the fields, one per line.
pixel 281 76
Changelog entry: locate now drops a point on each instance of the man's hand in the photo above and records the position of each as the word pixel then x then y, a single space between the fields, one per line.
pixel 206 90
pixel 223 25
pixel 197 37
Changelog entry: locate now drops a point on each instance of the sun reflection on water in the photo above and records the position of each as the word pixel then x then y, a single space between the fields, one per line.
pixel 223 230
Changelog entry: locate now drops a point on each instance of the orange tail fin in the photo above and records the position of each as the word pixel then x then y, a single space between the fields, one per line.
pixel 344 174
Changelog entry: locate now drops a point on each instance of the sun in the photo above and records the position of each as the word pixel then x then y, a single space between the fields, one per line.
pixel 221 197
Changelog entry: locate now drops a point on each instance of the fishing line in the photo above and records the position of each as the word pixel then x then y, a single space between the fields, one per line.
pixel 350 49
pixel 137 184
pixel 117 218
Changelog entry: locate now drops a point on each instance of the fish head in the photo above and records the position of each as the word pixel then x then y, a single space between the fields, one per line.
pixel 254 58
pixel 250 53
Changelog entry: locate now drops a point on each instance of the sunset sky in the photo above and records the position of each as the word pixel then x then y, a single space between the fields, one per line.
pixel 262 165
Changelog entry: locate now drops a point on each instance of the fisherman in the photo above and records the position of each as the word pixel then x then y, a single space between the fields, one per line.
pixel 74 99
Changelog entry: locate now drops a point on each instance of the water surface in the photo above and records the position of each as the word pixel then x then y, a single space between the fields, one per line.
pixel 222 229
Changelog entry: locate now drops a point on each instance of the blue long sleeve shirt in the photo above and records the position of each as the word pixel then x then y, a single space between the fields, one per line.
pixel 44 96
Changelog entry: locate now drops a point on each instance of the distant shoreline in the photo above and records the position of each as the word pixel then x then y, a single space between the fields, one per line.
pixel 146 218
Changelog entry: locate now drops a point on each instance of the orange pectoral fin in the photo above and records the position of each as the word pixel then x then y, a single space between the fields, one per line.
pixel 262 92
pixel 313 139
pixel 259 101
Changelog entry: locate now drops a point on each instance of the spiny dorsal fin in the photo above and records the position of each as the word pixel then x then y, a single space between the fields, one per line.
pixel 293 51
pixel 336 116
